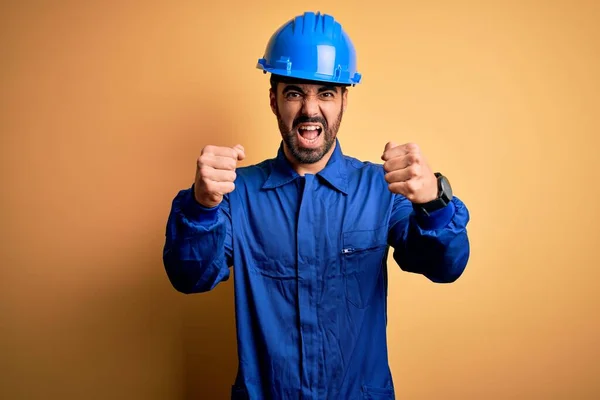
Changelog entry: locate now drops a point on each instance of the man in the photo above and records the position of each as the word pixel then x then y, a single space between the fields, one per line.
pixel 307 232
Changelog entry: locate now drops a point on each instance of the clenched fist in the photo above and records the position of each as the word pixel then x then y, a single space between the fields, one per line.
pixel 408 173
pixel 215 173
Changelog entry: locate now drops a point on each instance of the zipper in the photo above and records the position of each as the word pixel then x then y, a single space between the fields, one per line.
pixel 348 250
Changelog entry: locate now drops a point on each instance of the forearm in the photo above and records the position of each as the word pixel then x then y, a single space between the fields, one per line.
pixel 436 246
pixel 195 254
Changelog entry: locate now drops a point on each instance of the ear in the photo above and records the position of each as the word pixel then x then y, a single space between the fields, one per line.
pixel 345 99
pixel 273 101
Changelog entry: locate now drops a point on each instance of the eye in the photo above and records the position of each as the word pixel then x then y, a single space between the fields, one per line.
pixel 292 95
pixel 327 95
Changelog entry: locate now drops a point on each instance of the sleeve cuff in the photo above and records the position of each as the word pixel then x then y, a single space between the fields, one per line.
pixel 195 211
pixel 437 219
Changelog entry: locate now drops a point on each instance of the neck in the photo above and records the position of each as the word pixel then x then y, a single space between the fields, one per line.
pixel 314 168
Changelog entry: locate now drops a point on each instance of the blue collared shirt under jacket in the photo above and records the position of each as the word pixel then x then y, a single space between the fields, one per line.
pixel 309 255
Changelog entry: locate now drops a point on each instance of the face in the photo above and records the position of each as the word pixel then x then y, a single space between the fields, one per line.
pixel 309 117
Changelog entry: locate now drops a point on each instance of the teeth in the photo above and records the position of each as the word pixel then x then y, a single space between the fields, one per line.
pixel 309 127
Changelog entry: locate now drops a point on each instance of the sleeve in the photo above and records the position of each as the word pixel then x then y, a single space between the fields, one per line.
pixel 198 245
pixel 436 246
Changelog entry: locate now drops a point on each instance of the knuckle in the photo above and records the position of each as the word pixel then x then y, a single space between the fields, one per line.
pixel 413 171
pixel 203 159
pixel 414 158
pixel 412 147
pixel 204 170
pixel 209 149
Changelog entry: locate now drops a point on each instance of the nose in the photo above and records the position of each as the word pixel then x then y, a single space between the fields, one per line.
pixel 310 106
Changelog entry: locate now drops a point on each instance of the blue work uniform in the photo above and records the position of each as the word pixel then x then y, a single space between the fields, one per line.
pixel 309 255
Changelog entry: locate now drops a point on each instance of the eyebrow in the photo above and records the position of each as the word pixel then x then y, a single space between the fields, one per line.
pixel 327 87
pixel 298 89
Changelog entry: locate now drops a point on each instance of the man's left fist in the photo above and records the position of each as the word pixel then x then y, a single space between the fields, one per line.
pixel 408 173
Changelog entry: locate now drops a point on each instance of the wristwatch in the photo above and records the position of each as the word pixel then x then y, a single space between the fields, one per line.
pixel 443 199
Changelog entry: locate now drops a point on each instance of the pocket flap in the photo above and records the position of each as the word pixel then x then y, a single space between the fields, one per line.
pixel 364 239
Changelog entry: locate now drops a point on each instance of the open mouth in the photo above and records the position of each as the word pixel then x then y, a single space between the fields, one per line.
pixel 309 133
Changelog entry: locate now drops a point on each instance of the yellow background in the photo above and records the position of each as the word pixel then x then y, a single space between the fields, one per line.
pixel 106 105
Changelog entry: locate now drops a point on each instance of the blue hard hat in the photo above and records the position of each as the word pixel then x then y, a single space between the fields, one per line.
pixel 313 47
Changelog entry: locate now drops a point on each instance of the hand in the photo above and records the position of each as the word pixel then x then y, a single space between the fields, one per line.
pixel 408 173
pixel 215 173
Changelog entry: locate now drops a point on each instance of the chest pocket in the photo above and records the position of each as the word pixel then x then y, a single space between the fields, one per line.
pixel 363 255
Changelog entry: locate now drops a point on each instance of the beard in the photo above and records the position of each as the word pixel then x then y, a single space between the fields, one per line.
pixel 302 154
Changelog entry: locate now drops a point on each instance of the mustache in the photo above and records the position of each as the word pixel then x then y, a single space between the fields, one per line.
pixel 304 119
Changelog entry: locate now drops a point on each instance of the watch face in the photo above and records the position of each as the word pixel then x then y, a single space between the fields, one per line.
pixel 445 186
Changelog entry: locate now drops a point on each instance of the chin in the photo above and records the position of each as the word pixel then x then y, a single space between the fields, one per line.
pixel 308 155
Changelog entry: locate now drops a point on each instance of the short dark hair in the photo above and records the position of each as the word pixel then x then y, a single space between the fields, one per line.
pixel 275 79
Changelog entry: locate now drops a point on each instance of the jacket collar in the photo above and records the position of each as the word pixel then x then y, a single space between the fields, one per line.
pixel 334 173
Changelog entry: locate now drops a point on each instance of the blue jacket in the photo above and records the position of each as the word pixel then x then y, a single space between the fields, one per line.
pixel 309 255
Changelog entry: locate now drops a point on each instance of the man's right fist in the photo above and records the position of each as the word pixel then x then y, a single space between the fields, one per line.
pixel 215 173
